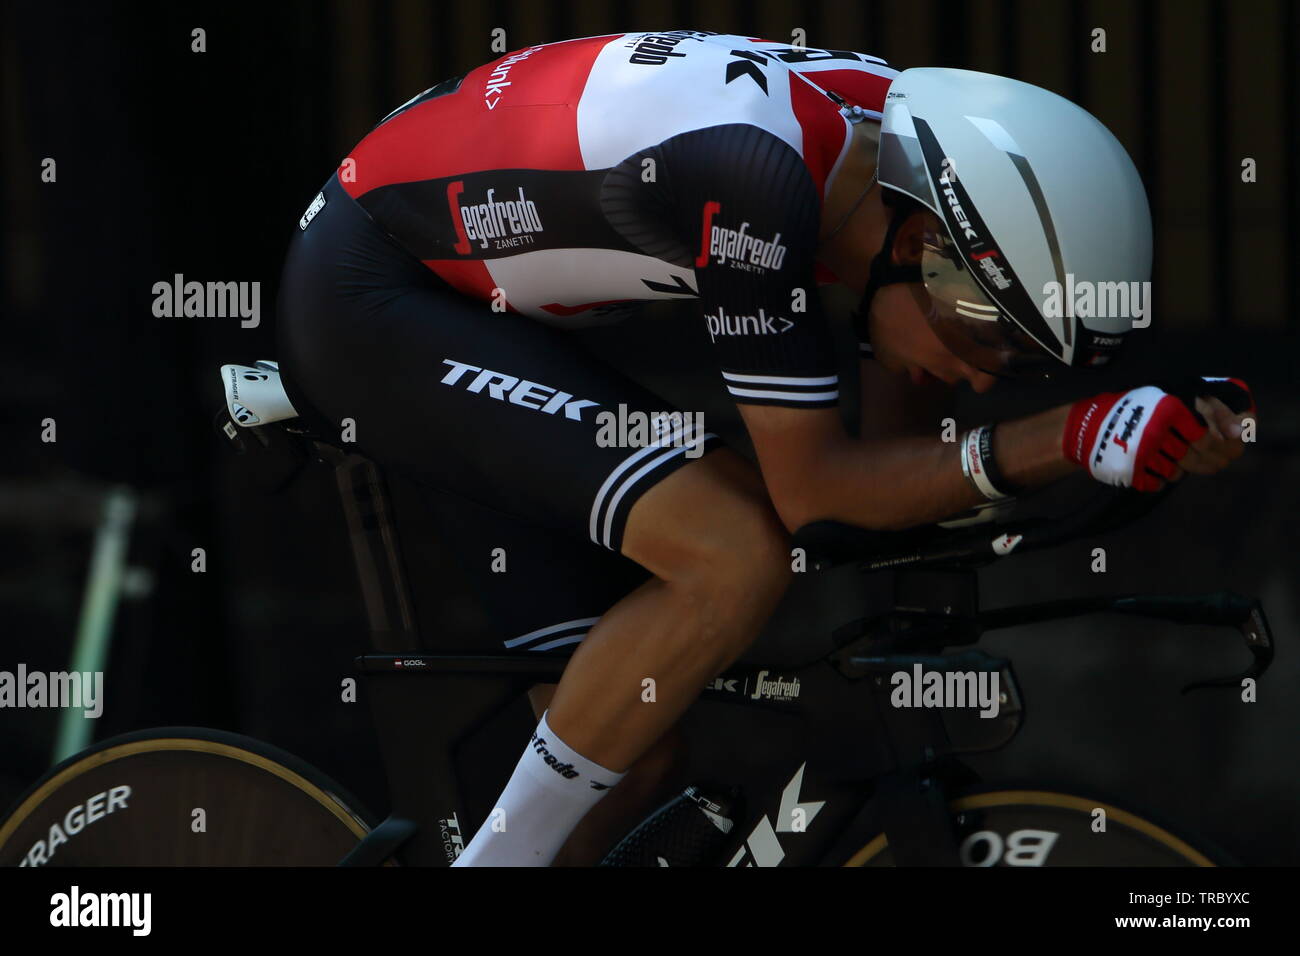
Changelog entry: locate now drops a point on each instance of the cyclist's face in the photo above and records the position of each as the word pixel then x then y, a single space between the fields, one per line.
pixel 903 340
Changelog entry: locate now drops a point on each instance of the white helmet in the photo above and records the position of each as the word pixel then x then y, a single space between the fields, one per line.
pixel 1032 190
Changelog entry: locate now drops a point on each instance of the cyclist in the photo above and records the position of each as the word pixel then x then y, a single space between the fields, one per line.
pixel 427 296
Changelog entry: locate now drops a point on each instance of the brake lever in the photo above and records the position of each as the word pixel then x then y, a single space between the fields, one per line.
pixel 1253 625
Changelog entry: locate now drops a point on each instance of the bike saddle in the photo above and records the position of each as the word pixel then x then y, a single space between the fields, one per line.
pixel 255 394
pixel 259 420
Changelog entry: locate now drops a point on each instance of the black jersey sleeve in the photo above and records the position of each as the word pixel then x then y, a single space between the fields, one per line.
pixel 738 205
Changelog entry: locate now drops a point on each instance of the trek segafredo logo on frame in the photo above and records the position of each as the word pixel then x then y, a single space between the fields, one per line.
pixel 763 846
pixel 779 689
pixel 764 689
pixel 453 844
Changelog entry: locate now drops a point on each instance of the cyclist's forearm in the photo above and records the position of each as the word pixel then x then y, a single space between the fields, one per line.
pixel 1028 450
pixel 896 483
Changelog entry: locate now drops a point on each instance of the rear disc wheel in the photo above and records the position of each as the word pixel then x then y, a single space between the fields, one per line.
pixel 182 797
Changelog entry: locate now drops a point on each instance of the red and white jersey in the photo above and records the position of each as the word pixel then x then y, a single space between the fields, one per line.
pixel 569 180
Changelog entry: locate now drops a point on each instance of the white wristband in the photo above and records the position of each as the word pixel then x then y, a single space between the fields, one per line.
pixel 973 468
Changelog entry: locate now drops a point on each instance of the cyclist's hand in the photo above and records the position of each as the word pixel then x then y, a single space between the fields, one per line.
pixel 1145 437
pixel 1221 444
pixel 1222 405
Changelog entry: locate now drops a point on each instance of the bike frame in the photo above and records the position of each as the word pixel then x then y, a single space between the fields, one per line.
pixel 824 760
pixel 786 755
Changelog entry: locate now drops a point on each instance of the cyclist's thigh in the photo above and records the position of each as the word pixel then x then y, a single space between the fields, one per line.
pixel 714 514
pixel 534 589
pixel 494 407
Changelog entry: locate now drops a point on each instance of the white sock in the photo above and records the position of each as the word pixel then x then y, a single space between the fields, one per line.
pixel 552 788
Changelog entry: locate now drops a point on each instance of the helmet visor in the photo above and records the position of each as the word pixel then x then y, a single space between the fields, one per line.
pixel 968 323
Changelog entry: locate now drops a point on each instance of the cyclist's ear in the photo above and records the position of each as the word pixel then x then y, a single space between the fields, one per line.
pixel 910 238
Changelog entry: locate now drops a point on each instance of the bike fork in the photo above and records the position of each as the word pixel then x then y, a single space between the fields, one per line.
pixel 910 808
pixel 916 820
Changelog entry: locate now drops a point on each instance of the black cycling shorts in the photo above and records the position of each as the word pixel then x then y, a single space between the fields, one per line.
pixel 490 408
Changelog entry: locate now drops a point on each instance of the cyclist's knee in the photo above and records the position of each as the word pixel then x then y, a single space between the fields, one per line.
pixel 746 558
pixel 734 581
pixel 710 530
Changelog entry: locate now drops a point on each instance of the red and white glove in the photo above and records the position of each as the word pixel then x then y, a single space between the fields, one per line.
pixel 1136 439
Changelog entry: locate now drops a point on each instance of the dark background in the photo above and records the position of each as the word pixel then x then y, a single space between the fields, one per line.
pixel 200 163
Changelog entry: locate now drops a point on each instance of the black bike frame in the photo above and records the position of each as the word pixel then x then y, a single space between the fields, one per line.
pixel 823 758
pixel 781 741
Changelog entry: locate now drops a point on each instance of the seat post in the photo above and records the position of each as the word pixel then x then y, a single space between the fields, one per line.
pixel 369 513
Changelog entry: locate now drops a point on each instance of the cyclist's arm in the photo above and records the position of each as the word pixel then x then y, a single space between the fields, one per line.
pixel 739 205
pixel 815 471
pixel 719 187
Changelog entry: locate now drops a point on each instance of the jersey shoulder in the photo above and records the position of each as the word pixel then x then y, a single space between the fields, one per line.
pixel 644 88
pixel 855 79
